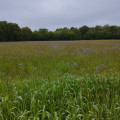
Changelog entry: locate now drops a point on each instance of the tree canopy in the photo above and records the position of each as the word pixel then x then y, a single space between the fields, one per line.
pixel 12 32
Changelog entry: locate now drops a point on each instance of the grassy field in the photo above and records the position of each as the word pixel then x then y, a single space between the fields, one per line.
pixel 74 80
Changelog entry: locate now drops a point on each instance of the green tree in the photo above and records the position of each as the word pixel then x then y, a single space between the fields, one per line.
pixel 3 31
pixel 82 32
pixel 26 34
pixel 13 32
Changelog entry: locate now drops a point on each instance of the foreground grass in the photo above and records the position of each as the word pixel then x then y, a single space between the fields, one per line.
pixel 60 80
pixel 71 98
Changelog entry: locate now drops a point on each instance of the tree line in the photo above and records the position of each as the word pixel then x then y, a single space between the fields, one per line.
pixel 12 32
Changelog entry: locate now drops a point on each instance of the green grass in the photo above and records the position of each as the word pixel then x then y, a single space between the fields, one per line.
pixel 60 80
pixel 71 98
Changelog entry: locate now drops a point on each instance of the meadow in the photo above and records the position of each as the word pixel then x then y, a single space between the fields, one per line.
pixel 64 80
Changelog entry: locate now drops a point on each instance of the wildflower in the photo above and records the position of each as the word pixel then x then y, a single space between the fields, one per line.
pixel 68 64
pixel 21 65
pixel 54 46
pixel 75 65
pixel 97 69
pixel 100 68
pixel 87 50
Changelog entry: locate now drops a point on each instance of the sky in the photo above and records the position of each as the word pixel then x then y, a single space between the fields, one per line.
pixel 52 14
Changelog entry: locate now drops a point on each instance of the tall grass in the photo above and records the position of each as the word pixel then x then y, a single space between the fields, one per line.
pixel 60 80
pixel 71 98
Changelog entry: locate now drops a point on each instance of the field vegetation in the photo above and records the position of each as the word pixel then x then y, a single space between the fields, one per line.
pixel 65 80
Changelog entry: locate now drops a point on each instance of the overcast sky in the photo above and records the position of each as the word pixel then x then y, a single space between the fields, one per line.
pixel 54 14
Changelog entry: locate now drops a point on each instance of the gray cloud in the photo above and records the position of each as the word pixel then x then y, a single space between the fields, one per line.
pixel 53 14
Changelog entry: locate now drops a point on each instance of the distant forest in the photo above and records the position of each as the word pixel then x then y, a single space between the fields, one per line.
pixel 12 32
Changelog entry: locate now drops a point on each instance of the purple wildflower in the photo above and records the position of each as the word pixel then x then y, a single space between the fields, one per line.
pixel 100 68
pixel 68 64
pixel 75 65
pixel 54 46
pixel 87 50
